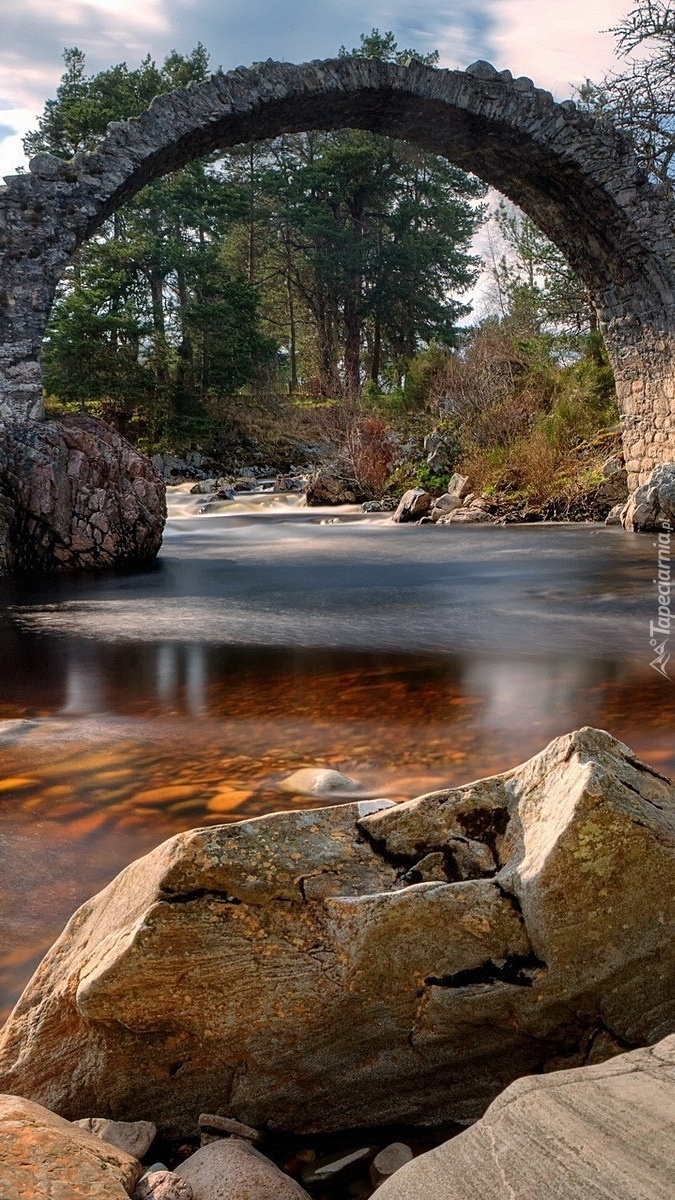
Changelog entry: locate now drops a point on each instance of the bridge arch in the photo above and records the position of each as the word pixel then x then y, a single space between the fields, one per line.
pixel 574 174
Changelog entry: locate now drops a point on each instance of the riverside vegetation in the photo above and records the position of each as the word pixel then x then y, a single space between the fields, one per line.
pixel 302 300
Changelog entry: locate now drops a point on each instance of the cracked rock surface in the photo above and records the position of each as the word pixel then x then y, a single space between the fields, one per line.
pixel 605 1132
pixel 339 968
pixel 74 494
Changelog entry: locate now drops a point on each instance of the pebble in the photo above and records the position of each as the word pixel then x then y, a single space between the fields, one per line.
pixel 317 781
pixel 388 1161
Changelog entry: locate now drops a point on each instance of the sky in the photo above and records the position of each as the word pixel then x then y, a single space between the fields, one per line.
pixel 558 44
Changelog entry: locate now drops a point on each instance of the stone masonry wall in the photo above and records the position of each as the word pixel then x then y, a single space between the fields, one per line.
pixel 574 174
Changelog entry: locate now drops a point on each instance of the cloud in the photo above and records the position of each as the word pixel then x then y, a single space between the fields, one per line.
pixel 34 34
pixel 558 45
pixel 245 31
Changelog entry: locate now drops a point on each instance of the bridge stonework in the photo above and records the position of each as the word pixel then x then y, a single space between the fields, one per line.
pixel 574 174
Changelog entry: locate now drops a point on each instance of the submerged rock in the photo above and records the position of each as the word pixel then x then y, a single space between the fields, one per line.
pixel 43 1157
pixel 604 1131
pixel 317 781
pixel 343 967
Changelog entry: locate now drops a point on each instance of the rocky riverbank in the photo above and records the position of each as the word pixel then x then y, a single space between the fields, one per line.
pixel 651 507
pixel 75 495
pixel 365 966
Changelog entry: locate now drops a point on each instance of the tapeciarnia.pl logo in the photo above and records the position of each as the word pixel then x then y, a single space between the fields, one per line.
pixel 659 630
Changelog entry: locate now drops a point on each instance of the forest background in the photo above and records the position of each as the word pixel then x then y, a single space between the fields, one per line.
pixel 304 300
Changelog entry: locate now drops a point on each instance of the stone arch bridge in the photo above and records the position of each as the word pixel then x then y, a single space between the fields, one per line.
pixel 573 173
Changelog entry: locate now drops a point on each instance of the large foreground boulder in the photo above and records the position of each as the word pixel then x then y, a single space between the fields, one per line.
pixel 74 494
pixel 43 1157
pixel 606 1132
pixel 336 968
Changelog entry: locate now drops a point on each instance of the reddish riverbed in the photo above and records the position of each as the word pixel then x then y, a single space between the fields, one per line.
pixel 137 705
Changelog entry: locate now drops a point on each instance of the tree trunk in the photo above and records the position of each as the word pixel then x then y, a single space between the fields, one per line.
pixel 377 353
pixel 159 327
pixel 184 390
pixel 292 334
pixel 352 350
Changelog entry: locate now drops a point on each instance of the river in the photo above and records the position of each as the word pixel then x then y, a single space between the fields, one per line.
pixel 138 704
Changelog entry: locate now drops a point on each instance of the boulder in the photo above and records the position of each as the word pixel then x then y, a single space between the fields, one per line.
pixel 134 1137
pixel 234 1170
pixel 443 505
pixel 652 505
pixel 162 1185
pixel 74 494
pixel 43 1157
pixel 325 487
pixel 458 485
pixel 209 487
pixel 606 1132
pixel 367 963
pixel 614 515
pixel 384 504
pixel 414 504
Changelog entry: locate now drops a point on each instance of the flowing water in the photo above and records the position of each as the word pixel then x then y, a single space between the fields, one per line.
pixel 135 705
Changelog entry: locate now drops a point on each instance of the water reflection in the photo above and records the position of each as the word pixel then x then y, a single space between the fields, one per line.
pixel 137 705
pixel 82 688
